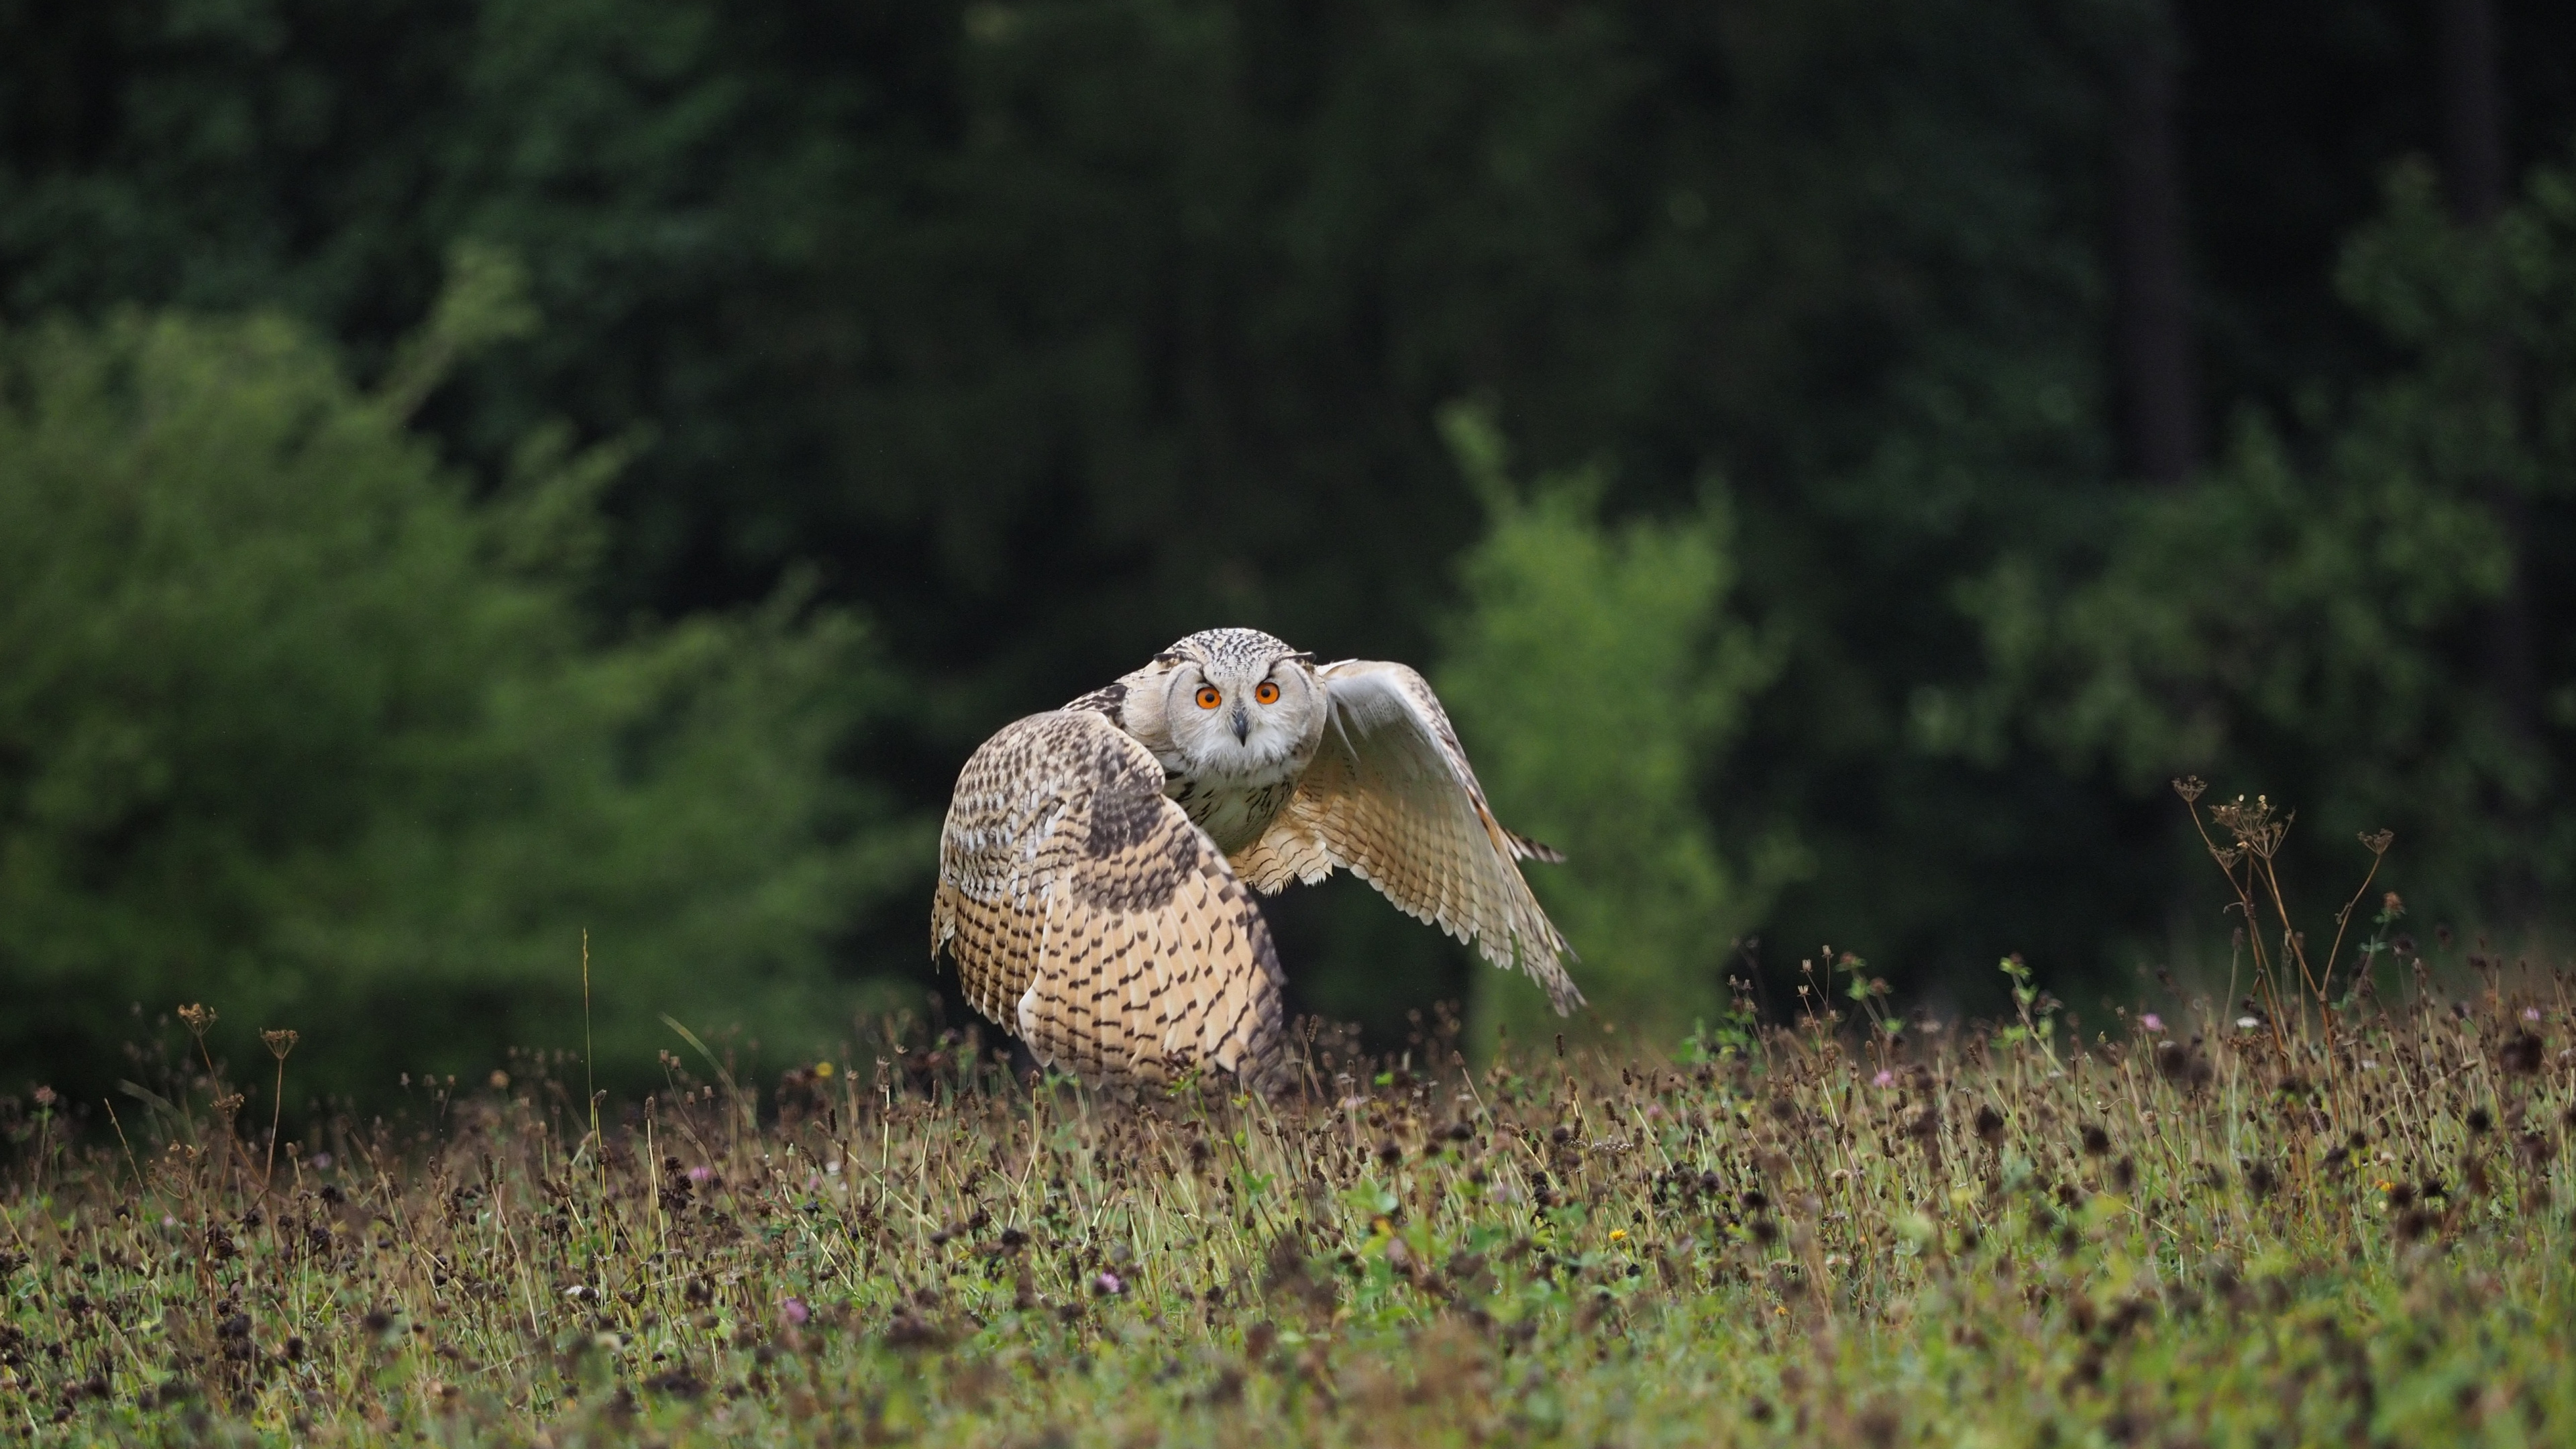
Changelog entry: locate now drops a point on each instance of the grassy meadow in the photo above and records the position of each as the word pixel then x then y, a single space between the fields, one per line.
pixel 2187 1231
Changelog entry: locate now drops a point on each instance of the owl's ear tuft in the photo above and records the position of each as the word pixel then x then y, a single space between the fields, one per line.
pixel 1168 658
pixel 1302 656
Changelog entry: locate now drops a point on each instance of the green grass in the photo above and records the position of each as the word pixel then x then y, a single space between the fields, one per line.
pixel 1963 1237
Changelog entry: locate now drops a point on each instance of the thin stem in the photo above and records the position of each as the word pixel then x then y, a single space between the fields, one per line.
pixel 2343 918
pixel 276 1107
pixel 590 1088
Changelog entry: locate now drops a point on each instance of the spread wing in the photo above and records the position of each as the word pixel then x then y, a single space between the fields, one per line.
pixel 1390 796
pixel 1086 913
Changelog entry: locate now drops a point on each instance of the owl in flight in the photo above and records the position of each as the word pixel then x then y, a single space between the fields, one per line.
pixel 1097 869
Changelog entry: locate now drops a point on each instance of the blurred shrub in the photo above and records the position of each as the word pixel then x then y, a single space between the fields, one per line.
pixel 2344 623
pixel 291 725
pixel 1598 680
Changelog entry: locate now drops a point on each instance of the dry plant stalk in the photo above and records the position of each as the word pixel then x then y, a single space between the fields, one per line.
pixel 279 1043
pixel 2257 829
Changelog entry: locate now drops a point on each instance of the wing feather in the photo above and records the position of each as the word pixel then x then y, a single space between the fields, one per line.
pixel 1086 913
pixel 1391 798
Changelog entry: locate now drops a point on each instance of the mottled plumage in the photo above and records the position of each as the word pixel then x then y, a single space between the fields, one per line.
pixel 1092 871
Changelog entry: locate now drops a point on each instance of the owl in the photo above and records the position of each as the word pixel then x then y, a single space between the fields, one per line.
pixel 1099 863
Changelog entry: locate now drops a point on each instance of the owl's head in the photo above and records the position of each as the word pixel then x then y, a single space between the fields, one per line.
pixel 1239 702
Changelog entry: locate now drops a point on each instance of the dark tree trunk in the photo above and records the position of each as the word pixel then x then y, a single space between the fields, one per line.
pixel 2159 389
pixel 2473 173
pixel 2473 166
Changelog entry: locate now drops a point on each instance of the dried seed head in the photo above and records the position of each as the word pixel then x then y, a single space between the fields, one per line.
pixel 2189 787
pixel 2520 1054
pixel 198 1017
pixel 279 1042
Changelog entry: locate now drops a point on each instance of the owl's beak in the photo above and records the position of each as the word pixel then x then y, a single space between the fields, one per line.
pixel 1242 727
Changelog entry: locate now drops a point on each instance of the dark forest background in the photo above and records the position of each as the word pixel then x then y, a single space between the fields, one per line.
pixel 476 472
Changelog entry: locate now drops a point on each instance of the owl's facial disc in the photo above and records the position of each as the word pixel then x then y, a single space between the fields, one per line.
pixel 1240 719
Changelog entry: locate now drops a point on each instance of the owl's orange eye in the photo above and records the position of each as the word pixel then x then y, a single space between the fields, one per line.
pixel 1267 693
pixel 1208 697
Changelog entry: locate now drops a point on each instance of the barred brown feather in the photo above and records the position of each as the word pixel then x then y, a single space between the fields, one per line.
pixel 1085 912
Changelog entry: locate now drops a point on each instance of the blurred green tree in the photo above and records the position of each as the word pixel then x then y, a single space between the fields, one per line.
pixel 293 726
pixel 2321 621
pixel 1146 307
pixel 1600 679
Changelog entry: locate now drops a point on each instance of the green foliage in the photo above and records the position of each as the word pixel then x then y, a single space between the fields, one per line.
pixel 2326 619
pixel 1599 679
pixel 1147 307
pixel 293 726
pixel 1150 306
